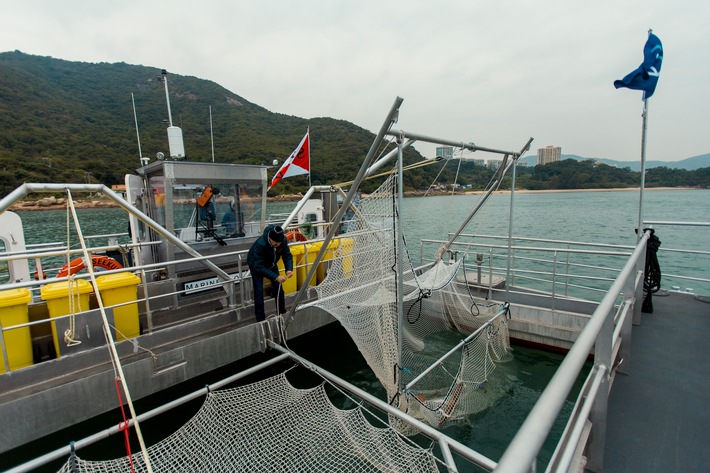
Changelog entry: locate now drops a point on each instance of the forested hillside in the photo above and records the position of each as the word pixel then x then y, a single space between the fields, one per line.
pixel 63 121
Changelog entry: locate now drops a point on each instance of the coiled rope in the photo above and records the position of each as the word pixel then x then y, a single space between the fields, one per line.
pixel 652 272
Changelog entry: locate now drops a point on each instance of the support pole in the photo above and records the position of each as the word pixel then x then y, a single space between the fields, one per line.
pixel 400 264
pixel 389 121
pixel 510 229
pixel 639 231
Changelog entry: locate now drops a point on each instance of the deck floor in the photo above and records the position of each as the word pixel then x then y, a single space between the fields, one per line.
pixel 659 413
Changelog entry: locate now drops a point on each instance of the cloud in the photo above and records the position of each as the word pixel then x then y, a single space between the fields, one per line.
pixel 491 72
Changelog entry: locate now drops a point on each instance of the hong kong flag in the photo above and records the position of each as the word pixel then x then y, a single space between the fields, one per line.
pixel 298 163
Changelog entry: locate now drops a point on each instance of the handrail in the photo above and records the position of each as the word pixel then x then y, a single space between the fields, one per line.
pixel 523 450
pixel 685 224
pixel 27 188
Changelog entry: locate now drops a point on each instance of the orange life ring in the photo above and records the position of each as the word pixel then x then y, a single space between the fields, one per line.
pixel 295 235
pixel 77 265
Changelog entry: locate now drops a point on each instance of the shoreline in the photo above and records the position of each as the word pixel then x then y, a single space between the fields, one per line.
pixel 52 203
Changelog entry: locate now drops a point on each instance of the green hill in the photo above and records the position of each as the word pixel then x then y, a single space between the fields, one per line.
pixel 63 121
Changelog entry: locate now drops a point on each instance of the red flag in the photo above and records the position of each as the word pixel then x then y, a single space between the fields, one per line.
pixel 298 163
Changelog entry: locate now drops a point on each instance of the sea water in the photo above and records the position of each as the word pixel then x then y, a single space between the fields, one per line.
pixel 609 217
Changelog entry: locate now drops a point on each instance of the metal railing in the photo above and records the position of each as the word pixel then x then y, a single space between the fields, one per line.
pixel 701 258
pixel 601 334
pixel 58 251
pixel 561 270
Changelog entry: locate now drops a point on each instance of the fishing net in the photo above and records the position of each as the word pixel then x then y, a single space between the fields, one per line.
pixel 361 291
pixel 272 426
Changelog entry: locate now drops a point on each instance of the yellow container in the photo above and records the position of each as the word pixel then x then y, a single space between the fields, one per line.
pixel 309 258
pixel 297 251
pixel 290 285
pixel 302 259
pixel 344 249
pixel 60 297
pixel 327 256
pixel 18 342
pixel 120 288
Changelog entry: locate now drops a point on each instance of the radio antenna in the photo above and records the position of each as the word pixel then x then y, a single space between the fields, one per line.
pixel 143 160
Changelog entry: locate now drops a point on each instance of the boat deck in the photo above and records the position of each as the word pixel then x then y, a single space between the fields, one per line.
pixel 659 414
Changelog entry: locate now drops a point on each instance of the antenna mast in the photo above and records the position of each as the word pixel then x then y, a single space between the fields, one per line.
pixel 211 133
pixel 175 143
pixel 164 74
pixel 144 161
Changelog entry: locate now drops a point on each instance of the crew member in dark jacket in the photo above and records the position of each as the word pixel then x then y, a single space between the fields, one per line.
pixel 263 256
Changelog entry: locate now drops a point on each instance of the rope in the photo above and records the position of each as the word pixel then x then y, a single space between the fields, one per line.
pixel 124 426
pixel 111 345
pixel 436 178
pixel 74 298
pixel 468 287
pixel 652 272
pixel 456 178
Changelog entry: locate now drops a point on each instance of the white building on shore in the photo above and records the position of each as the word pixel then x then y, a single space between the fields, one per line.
pixel 548 154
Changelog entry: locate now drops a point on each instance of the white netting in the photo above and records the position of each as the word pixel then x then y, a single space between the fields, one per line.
pixel 272 426
pixel 360 290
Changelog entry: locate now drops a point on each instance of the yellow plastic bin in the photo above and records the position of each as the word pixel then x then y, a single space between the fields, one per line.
pixel 61 297
pixel 313 250
pixel 18 341
pixel 309 258
pixel 327 256
pixel 299 251
pixel 290 285
pixel 345 250
pixel 120 288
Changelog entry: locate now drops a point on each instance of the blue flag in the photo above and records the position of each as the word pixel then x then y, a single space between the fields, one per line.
pixel 645 77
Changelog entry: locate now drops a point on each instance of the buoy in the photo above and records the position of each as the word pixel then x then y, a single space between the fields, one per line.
pixel 295 235
pixel 77 265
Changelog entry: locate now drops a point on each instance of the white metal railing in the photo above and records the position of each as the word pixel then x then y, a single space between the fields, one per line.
pixel 599 332
pixel 547 271
pixel 567 269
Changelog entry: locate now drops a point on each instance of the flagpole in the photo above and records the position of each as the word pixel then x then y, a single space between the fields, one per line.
pixel 308 132
pixel 644 125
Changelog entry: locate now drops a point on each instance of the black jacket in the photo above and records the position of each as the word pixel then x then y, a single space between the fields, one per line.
pixel 263 257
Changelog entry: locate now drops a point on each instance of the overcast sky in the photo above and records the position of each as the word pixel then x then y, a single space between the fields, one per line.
pixel 491 72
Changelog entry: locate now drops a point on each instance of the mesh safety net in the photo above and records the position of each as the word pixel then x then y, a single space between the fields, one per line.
pixel 361 291
pixel 272 426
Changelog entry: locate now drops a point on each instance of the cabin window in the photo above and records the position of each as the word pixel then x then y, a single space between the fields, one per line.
pixel 156 185
pixel 227 210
